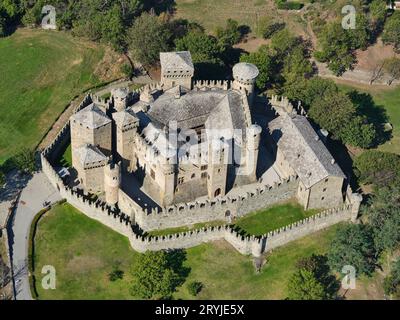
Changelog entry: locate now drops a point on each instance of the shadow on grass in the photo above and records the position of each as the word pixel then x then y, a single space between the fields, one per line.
pixel 176 259
pixel 375 114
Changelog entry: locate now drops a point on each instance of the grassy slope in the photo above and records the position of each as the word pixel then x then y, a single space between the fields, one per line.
pixel 83 252
pixel 40 73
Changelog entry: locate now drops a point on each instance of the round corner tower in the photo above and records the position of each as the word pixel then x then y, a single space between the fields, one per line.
pixel 120 96
pixel 245 75
pixel 112 182
pixel 252 150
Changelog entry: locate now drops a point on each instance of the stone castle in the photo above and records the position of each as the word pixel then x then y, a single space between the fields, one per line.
pixel 182 152
pixel 182 140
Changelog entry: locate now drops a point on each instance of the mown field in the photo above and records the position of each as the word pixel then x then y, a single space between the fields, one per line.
pixel 212 14
pixel 84 251
pixel 40 72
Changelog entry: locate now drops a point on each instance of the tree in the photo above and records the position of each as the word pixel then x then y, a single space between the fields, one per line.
pixel 267 27
pixel 203 48
pixel 383 214
pixel 318 265
pixel 391 283
pixel 194 288
pixel 353 245
pixel 378 10
pixel 147 38
pixel 332 111
pixel 303 285
pixel 377 168
pixel 229 35
pixel 391 34
pixel 25 160
pixel 296 68
pixel 263 59
pixel 338 45
pixel 316 88
pixel 392 68
pixel 359 133
pixel 283 42
pixel 154 276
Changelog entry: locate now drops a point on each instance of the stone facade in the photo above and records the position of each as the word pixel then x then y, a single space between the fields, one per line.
pixel 179 134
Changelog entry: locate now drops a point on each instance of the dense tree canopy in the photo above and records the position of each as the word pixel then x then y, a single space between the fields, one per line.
pixel 203 47
pixel 148 37
pixel 353 245
pixel 312 280
pixel 383 214
pixel 263 59
pixel 377 168
pixel 392 281
pixel 154 276
pixel 391 34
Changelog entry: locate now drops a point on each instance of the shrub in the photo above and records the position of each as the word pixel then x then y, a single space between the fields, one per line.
pixel 115 275
pixel 127 70
pixel 288 5
pixel 194 288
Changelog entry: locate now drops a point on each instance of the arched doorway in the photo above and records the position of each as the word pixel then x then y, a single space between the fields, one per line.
pixel 217 192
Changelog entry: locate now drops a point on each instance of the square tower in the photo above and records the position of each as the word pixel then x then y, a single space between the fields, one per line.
pixel 176 69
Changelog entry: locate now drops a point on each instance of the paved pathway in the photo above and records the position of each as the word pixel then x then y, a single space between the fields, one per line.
pixel 37 191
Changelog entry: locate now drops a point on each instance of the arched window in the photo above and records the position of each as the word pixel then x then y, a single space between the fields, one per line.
pixel 217 192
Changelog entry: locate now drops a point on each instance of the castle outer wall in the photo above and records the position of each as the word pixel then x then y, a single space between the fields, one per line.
pixel 123 223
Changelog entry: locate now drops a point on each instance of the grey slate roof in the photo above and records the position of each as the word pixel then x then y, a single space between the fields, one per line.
pixel 90 154
pixel 176 60
pixel 245 71
pixel 228 114
pixel 193 109
pixel 302 148
pixel 125 118
pixel 92 117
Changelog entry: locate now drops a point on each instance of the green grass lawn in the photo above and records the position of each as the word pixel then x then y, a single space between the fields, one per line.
pixel 257 223
pixel 165 232
pixel 40 72
pixel 84 251
pixel 387 99
pixel 273 218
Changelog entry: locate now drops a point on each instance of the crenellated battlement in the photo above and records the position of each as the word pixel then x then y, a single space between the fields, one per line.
pixel 131 217
pixel 282 104
pixel 210 84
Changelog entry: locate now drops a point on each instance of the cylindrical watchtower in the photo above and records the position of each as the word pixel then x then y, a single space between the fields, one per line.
pixel 120 96
pixel 245 75
pixel 112 182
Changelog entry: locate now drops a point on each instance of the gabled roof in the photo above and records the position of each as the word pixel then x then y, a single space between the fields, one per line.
pixel 228 114
pixel 303 149
pixel 92 117
pixel 176 60
pixel 125 118
pixel 90 154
